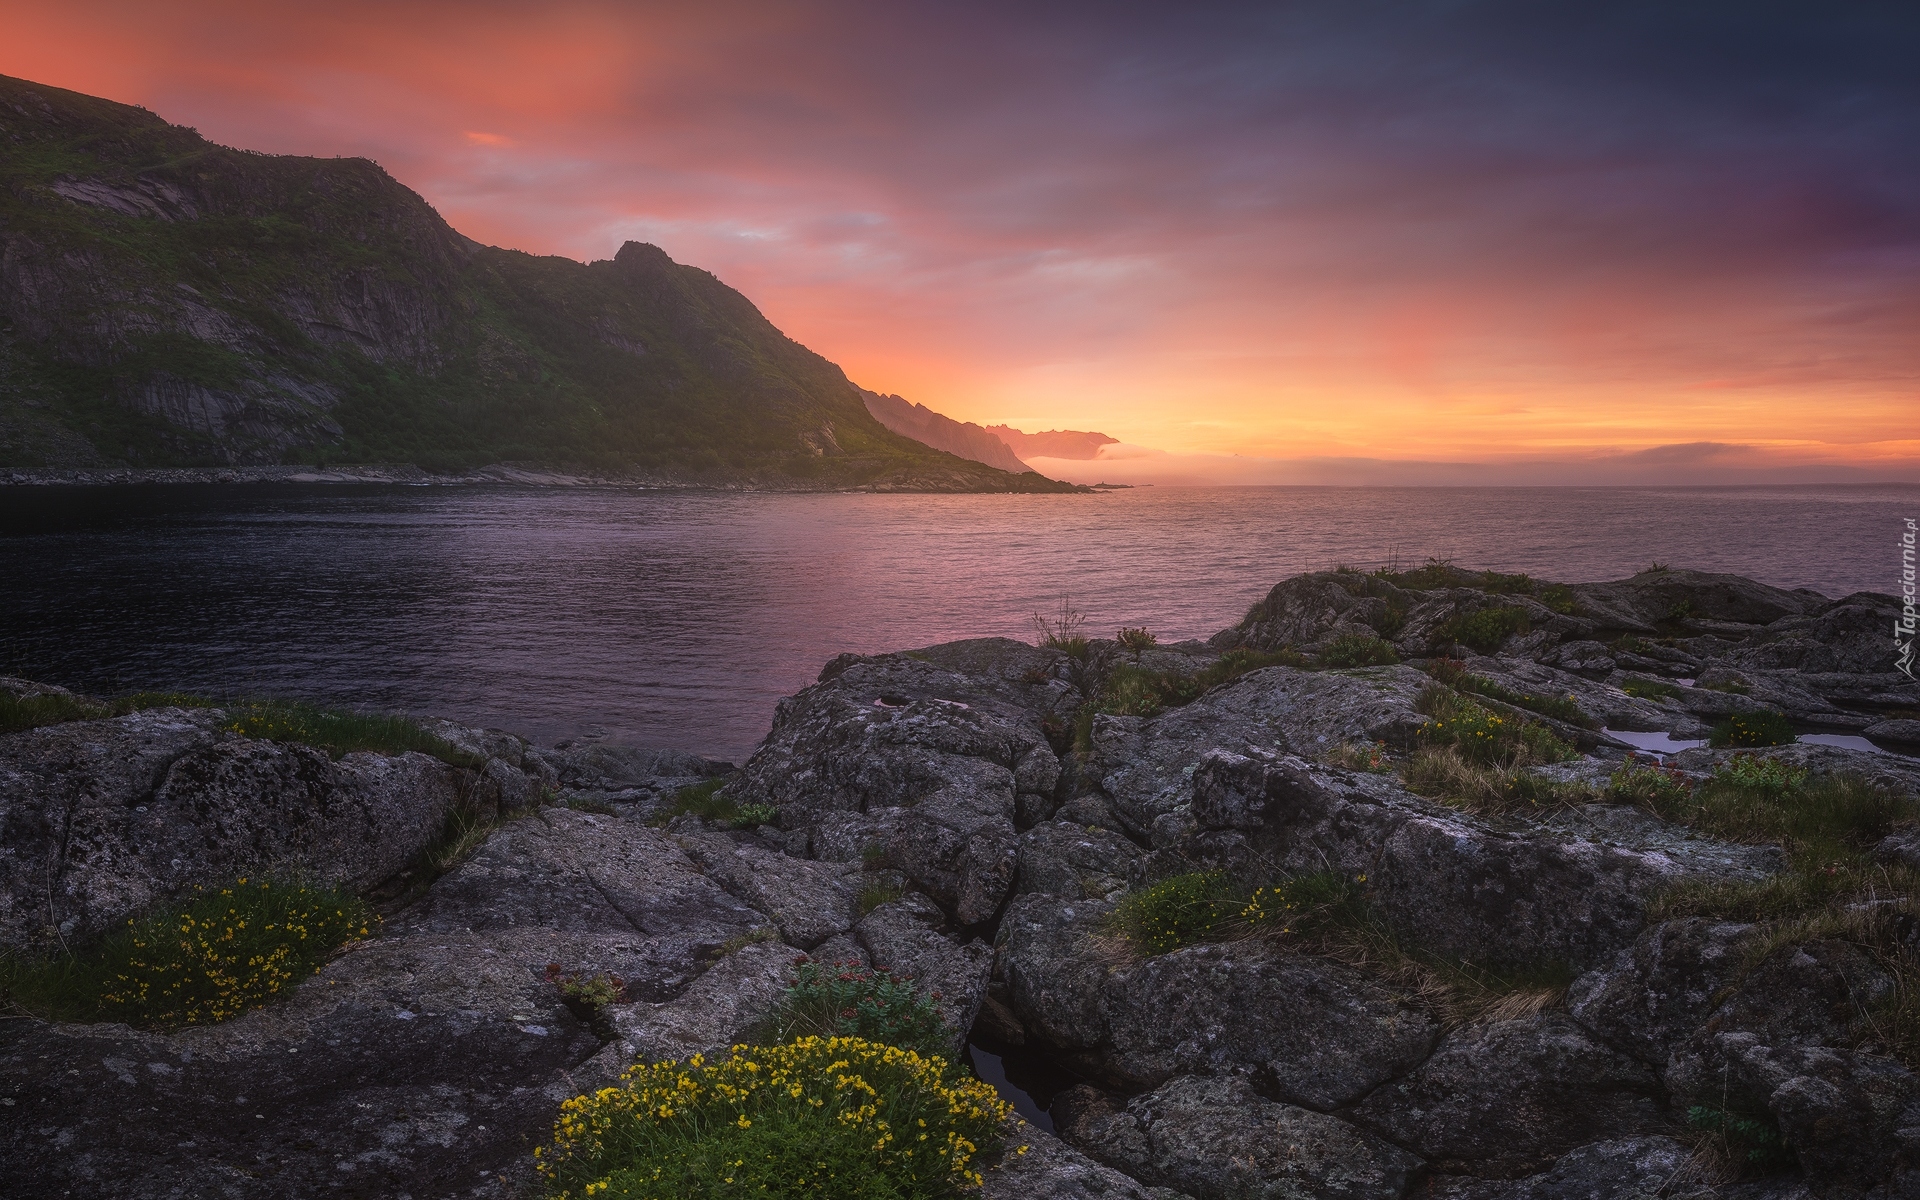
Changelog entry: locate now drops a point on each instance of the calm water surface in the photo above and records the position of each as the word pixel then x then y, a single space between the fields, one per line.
pixel 679 618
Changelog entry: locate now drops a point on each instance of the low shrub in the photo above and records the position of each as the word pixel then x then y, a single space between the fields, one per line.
pixel 842 1117
pixel 218 954
pixel 706 801
pixel 1136 640
pixel 1359 650
pixel 1177 911
pixel 1485 629
pixel 1302 904
pixel 1649 689
pixel 1765 728
pixel 1558 598
pixel 845 999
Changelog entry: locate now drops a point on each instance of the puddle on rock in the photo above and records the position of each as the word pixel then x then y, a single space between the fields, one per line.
pixel 1023 1078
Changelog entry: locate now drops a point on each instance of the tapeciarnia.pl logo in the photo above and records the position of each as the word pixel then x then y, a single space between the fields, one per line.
pixel 1903 628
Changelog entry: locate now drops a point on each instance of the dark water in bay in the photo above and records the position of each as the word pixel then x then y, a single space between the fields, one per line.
pixel 679 618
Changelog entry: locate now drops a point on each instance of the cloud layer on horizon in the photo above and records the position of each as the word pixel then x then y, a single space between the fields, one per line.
pixel 1326 232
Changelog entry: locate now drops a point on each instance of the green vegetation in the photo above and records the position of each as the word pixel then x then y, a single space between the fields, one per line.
pixel 1485 738
pixel 1764 728
pixel 214 956
pixel 478 355
pixel 339 732
pixel 707 801
pixel 334 730
pixel 1329 914
pixel 1137 692
pixel 1136 640
pixel 833 1118
pixel 1359 650
pixel 1371 757
pixel 1445 773
pixel 873 895
pixel 1455 675
pixel 1661 789
pixel 845 999
pixel 587 993
pixel 1177 911
pixel 1484 629
pixel 1441 573
pixel 1649 689
pixel 1832 888
pixel 19 713
pixel 1750 1143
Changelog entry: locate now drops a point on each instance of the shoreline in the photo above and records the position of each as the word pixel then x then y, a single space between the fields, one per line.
pixel 497 473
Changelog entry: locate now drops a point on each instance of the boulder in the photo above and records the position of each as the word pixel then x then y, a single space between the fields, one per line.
pixel 1075 862
pixel 1314 609
pixel 1640 1168
pixel 1654 597
pixel 1904 731
pixel 1311 1032
pixel 904 936
pixel 1507 1098
pixel 809 901
pixel 1056 970
pixel 1660 989
pixel 1035 1165
pixel 1145 768
pixel 723 1007
pixel 101 820
pixel 1851 1118
pixel 425 1062
pixel 1452 882
pixel 931 760
pixel 1216 1138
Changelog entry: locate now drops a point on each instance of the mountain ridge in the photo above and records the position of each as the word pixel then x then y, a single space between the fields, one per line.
pixel 169 303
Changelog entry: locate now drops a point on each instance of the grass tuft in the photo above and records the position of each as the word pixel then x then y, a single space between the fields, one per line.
pixel 1485 629
pixel 1359 650
pixel 707 801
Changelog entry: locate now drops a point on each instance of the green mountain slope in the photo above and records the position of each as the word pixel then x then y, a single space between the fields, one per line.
pixel 168 302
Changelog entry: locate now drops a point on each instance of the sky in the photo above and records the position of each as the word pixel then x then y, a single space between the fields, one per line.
pixel 1313 242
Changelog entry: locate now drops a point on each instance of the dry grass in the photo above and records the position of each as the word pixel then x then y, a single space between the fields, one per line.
pixel 1504 789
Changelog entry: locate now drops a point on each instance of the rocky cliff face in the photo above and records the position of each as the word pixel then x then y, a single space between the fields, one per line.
pixel 429 1060
pixel 166 302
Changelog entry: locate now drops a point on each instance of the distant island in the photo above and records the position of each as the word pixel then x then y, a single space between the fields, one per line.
pixel 175 309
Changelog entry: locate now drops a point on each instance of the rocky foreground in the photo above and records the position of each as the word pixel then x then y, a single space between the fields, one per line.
pixel 939 815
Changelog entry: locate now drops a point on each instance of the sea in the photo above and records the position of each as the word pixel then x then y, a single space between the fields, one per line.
pixel 678 619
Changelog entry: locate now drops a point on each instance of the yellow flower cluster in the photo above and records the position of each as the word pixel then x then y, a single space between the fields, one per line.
pixel 671 1130
pixel 1269 906
pixel 227 952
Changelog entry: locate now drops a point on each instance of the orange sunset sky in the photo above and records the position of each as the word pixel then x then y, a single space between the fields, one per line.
pixel 1606 243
